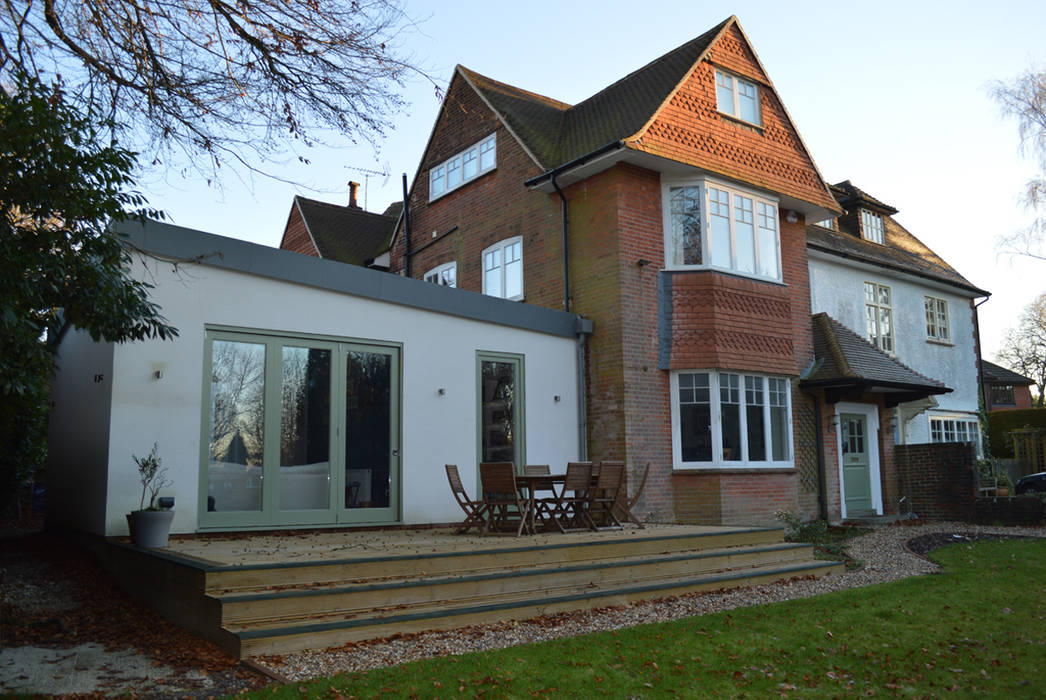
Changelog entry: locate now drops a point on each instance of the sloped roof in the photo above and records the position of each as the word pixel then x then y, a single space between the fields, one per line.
pixel 346 234
pixel 900 250
pixel 556 132
pixel 846 193
pixel 996 374
pixel 847 359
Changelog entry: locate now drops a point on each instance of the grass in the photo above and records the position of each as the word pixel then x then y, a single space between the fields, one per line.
pixel 979 628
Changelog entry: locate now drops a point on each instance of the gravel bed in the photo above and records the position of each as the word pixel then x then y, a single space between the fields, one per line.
pixel 883 552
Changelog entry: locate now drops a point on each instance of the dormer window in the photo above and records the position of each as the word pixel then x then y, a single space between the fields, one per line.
pixel 872 227
pixel 737 97
pixel 828 223
pixel 463 167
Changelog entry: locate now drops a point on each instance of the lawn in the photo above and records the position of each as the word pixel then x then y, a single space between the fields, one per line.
pixel 979 628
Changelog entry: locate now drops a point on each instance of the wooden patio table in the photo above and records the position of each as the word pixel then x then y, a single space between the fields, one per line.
pixel 541 513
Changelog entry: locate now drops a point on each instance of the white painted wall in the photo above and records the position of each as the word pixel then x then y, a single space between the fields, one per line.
pixel 439 351
pixel 78 445
pixel 838 290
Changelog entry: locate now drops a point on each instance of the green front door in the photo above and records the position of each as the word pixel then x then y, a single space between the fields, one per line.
pixel 857 481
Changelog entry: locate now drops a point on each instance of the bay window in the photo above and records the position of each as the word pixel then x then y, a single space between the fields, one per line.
pixel 956 429
pixel 730 419
pixel 711 225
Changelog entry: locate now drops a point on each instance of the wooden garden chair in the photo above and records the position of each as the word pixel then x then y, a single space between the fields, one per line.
pixel 475 511
pixel 570 511
pixel 502 498
pixel 605 492
pixel 624 505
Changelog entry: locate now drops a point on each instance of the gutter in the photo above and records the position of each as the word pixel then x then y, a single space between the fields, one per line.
pixel 577 162
pixel 406 228
pixel 982 414
pixel 584 329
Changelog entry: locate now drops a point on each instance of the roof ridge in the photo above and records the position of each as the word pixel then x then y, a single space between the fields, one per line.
pixel 714 30
pixel 551 101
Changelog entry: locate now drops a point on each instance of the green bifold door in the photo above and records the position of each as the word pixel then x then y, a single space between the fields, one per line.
pixel 299 431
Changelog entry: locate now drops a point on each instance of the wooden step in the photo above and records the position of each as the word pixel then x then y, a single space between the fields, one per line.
pixel 324 631
pixel 223 579
pixel 351 599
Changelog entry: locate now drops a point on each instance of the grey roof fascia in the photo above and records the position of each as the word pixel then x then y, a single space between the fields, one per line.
pixel 177 243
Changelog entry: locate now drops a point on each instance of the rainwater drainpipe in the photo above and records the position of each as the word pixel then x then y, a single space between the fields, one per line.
pixel 983 412
pixel 563 236
pixel 406 229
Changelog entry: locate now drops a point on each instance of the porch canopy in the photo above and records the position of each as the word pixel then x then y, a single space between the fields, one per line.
pixel 847 366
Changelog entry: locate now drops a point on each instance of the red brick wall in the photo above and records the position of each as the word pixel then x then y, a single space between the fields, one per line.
pixel 939 479
pixel 491 208
pixel 295 237
pixel 690 129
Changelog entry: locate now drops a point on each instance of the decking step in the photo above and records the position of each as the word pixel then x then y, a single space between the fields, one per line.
pixel 321 631
pixel 244 578
pixel 351 599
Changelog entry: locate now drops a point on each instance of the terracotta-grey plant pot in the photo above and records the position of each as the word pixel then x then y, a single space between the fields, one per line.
pixel 150 528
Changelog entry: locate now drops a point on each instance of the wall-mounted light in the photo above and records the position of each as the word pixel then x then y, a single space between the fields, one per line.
pixel 165 502
pixel 642 262
pixel 557 398
pixel 792 217
pixel 833 423
pixel 158 375
pixel 441 391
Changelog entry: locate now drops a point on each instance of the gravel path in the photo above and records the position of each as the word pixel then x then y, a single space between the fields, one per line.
pixel 883 552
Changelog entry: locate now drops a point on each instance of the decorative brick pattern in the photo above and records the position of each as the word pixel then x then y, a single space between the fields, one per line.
pixel 690 129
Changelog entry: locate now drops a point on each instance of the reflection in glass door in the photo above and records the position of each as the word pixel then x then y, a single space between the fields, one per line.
pixel 299 431
pixel 500 409
pixel 371 434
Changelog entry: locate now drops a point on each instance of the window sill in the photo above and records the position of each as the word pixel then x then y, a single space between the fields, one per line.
pixel 945 343
pixel 720 469
pixel 744 123
pixel 722 271
pixel 464 184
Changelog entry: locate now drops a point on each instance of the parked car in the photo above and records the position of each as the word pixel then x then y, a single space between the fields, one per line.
pixel 1033 483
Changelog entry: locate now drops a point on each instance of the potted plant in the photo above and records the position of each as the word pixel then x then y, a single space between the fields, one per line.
pixel 150 526
pixel 1003 489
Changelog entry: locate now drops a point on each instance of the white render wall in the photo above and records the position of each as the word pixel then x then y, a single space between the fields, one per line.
pixel 438 351
pixel 838 290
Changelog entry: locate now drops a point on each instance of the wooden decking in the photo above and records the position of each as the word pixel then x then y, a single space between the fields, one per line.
pixel 263 594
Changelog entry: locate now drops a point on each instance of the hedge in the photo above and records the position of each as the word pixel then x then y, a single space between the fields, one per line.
pixel 1002 423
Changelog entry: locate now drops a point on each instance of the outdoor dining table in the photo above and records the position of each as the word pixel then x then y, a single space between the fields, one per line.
pixel 541 511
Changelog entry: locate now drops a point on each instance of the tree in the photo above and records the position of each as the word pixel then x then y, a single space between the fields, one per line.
pixel 1024 348
pixel 228 79
pixel 59 262
pixel 1025 100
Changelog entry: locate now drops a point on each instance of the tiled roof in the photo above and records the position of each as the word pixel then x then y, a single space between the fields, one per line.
pixel 556 132
pixel 995 374
pixel 900 251
pixel 847 193
pixel 848 359
pixel 346 234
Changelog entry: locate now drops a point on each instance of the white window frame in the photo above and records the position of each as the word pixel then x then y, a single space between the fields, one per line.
pixel 445 275
pixel 828 223
pixel 499 249
pixel 876 337
pixel 956 427
pixel 479 152
pixel 937 326
pixel 736 87
pixel 872 227
pixel 760 204
pixel 714 387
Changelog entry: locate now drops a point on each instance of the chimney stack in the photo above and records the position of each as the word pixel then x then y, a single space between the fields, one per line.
pixel 353 186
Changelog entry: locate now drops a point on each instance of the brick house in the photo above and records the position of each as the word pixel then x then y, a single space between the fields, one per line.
pixel 1004 389
pixel 671 209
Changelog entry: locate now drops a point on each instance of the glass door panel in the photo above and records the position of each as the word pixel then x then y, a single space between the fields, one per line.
pixel 500 414
pixel 370 486
pixel 237 427
pixel 305 429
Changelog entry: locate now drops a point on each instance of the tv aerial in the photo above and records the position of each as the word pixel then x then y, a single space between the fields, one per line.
pixel 385 172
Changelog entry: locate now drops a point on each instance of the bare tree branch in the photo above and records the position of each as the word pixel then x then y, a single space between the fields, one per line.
pixel 1024 348
pixel 236 81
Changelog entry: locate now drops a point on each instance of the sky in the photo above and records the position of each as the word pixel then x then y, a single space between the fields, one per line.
pixel 890 95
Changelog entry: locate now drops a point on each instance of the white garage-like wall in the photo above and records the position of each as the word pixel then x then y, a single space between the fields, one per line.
pixel 153 391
